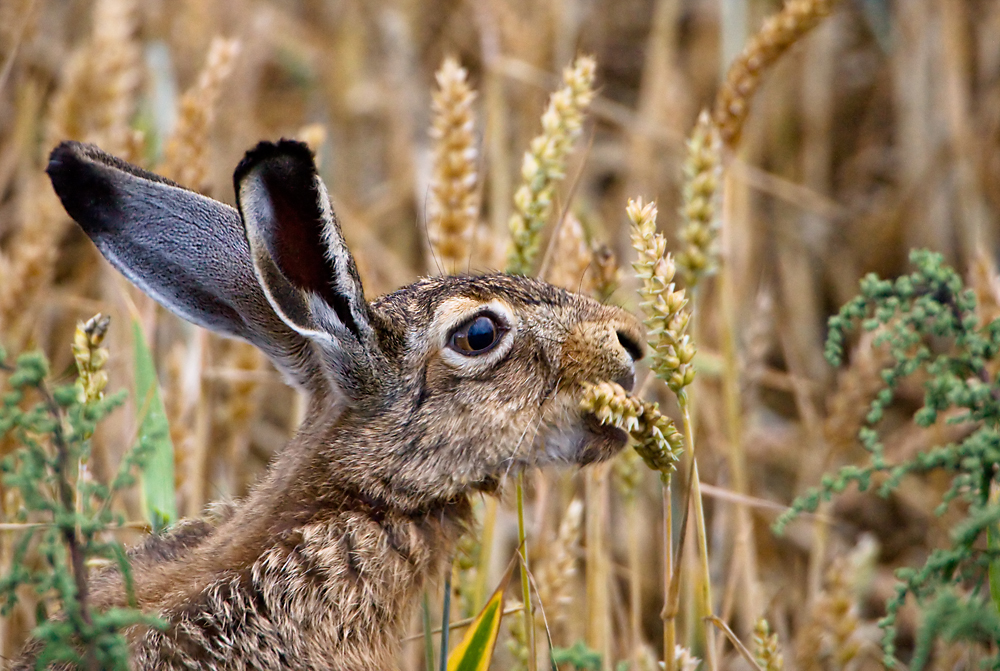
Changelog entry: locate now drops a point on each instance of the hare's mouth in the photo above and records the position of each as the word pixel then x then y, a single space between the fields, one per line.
pixel 587 443
pixel 607 441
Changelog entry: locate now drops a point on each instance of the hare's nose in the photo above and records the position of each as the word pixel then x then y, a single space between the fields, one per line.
pixel 629 344
pixel 634 349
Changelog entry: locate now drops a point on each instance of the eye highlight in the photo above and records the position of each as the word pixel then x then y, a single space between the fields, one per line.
pixel 478 335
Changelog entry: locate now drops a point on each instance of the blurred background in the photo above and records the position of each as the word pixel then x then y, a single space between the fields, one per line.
pixel 878 132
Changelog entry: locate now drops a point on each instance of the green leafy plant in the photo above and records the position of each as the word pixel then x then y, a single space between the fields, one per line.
pixel 928 323
pixel 579 656
pixel 63 515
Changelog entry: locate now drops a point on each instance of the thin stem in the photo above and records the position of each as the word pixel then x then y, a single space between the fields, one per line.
pixel 445 616
pixel 635 584
pixel 529 620
pixel 746 548
pixel 428 637
pixel 703 582
pixel 67 498
pixel 669 618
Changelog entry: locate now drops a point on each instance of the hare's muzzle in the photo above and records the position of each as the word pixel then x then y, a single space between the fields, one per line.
pixel 604 350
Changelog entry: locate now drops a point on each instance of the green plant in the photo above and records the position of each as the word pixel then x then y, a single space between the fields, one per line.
pixel 929 324
pixel 64 515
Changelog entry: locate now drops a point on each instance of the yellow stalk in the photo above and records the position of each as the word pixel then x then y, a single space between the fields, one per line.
pixel 703 583
pixel 529 621
pixel 669 618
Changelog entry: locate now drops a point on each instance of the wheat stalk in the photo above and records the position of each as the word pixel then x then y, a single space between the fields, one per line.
pixel 544 164
pixel 776 36
pixel 453 208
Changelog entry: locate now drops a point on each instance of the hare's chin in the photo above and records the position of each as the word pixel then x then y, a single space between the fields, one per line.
pixel 589 443
pixel 606 441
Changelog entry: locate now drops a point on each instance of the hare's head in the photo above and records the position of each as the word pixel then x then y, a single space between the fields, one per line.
pixel 444 386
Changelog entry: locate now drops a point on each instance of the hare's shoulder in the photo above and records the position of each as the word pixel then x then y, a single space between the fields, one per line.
pixel 174 542
pixel 331 593
pixel 180 538
pixel 147 558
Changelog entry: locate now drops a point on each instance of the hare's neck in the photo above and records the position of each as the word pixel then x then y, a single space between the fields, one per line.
pixel 349 576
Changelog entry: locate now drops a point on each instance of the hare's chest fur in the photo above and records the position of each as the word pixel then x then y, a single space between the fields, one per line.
pixel 333 595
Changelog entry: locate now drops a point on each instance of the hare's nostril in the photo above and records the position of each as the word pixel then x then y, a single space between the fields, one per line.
pixel 633 348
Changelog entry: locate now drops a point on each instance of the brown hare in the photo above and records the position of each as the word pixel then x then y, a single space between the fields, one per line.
pixel 418 399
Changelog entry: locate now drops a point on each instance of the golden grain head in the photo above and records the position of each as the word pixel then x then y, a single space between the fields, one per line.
pixel 572 258
pixel 453 206
pixel 544 164
pixel 700 193
pixel 185 158
pixel 90 358
pixel 656 438
pixel 663 305
pixel 779 32
pixel 766 649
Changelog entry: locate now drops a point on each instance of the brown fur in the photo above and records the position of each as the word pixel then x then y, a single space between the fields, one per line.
pixel 321 564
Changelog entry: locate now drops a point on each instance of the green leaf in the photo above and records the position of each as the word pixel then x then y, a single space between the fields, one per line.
pixel 157 473
pixel 475 651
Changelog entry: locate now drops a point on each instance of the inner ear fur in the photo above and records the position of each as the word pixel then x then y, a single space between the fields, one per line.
pixel 299 253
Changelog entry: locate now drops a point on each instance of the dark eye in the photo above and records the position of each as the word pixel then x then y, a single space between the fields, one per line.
pixel 477 336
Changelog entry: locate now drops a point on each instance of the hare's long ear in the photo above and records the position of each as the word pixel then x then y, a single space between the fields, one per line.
pixel 302 261
pixel 185 250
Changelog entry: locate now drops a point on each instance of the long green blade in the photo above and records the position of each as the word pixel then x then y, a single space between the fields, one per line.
pixel 475 651
pixel 157 476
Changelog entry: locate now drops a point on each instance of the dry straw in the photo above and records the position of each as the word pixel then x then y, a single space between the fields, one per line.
pixel 779 32
pixel 94 102
pixel 185 155
pixel 544 164
pixel 96 99
pixel 239 406
pixel 572 258
pixel 453 209
pixel 559 571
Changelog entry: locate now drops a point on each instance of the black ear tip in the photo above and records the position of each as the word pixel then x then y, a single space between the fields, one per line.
pixel 282 151
pixel 62 160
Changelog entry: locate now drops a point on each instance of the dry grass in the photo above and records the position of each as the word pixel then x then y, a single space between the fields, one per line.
pixel 879 133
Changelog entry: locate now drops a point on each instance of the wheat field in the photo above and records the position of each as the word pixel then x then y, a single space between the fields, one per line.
pixel 864 130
